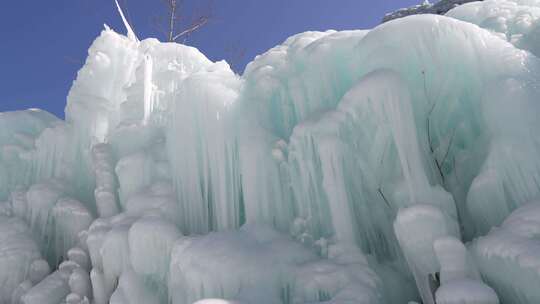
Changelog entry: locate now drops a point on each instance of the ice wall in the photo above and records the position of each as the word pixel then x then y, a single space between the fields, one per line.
pixel 341 167
pixel 454 122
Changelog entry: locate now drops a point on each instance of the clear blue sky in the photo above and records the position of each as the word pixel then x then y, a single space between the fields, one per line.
pixel 44 42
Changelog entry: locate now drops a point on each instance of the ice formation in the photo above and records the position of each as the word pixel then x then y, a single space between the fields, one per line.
pixel 369 166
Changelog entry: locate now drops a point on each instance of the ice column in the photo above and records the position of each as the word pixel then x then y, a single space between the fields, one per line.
pixel 417 228
pixel 459 278
pixel 105 192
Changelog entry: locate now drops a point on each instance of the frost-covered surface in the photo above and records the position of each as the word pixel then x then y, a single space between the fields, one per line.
pixel 332 171
pixel 438 7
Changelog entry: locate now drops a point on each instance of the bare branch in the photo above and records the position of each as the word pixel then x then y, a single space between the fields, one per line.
pixel 174 20
pixel 428 127
pixel 201 22
pixel 383 197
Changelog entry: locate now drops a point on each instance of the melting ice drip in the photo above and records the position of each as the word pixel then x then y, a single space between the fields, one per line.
pixel 341 167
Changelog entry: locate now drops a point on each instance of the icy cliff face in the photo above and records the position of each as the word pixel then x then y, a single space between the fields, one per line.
pixel 341 167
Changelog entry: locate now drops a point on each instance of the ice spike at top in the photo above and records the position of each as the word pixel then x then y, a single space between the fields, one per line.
pixel 130 33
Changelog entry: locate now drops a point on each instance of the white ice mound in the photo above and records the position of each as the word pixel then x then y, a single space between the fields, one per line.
pixel 19 142
pixel 516 21
pixel 342 167
pixel 257 264
pixel 509 256
pixel 149 257
pixel 466 292
pixel 284 86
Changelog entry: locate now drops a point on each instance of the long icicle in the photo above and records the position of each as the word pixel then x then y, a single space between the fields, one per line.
pixel 130 33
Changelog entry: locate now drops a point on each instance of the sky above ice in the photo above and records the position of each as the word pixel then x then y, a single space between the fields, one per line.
pixel 44 42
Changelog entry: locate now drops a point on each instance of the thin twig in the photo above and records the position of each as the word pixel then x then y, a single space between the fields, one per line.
pixel 383 197
pixel 449 146
pixel 174 19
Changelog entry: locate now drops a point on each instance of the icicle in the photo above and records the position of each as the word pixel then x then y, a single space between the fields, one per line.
pixel 148 104
pixel 131 35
